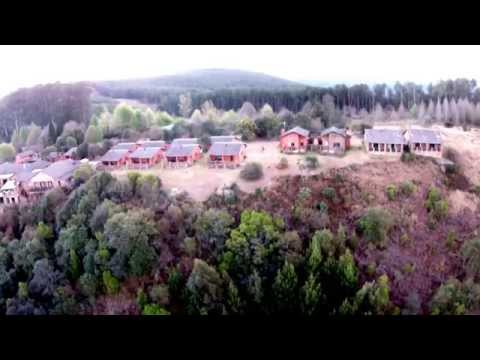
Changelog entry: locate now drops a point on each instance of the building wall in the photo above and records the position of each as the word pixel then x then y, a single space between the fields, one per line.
pixel 293 140
pixel 424 150
pixel 384 149
pixel 331 139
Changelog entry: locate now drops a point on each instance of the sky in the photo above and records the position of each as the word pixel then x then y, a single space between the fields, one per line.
pixel 24 66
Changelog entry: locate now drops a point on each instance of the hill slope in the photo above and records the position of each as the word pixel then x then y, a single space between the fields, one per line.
pixel 205 80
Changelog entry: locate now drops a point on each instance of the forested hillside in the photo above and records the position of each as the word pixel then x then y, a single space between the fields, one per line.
pixel 45 104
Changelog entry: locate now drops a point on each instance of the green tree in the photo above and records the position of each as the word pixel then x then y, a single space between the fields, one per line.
pixel 205 287
pixel 312 295
pixel 285 288
pixel 375 225
pixel 34 135
pixel 122 117
pixel 372 299
pixel 93 135
pixel 253 244
pixel 130 235
pixel 7 152
pixel 246 129
pixel 456 298
pixel 111 284
pixel 154 309
pixel 471 257
pixel 212 228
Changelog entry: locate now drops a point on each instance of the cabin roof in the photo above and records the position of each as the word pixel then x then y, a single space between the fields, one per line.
pixel 180 150
pixel 152 143
pixel 124 146
pixel 225 148
pixel 384 136
pixel 185 141
pixel 297 130
pixel 62 169
pixel 223 138
pixel 424 136
pixel 114 155
pixel 145 153
pixel 334 130
pixel 12 168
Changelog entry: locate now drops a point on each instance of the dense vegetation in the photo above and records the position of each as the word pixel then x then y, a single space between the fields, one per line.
pixel 125 246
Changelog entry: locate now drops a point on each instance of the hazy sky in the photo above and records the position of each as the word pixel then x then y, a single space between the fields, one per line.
pixel 30 65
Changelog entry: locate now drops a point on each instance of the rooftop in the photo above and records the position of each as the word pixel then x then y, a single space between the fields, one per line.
pixel 185 141
pixel 424 136
pixel 335 130
pixel 124 146
pixel 114 154
pixel 145 153
pixel 225 148
pixel 180 150
pixel 62 169
pixel 223 138
pixel 384 136
pixel 297 130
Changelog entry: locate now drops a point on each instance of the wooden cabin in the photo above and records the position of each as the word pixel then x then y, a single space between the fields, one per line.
pixel 115 158
pixel 182 155
pixel 226 154
pixel 424 142
pixel 332 140
pixel 294 140
pixel 384 141
pixel 145 157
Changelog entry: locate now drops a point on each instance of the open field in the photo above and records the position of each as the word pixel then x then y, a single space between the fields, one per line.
pixel 200 181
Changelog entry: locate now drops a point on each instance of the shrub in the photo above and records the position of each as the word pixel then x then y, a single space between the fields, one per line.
pixel 329 193
pixel 451 238
pixel 407 157
pixel 476 190
pixel 252 171
pixel 283 164
pixel 154 309
pixel 112 285
pixel 407 188
pixel 391 192
pixel 7 152
pixel 435 205
pixel 375 225
pixel 311 162
pixel 322 207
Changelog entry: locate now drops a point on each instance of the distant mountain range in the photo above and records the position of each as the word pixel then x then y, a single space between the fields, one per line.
pixel 204 80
